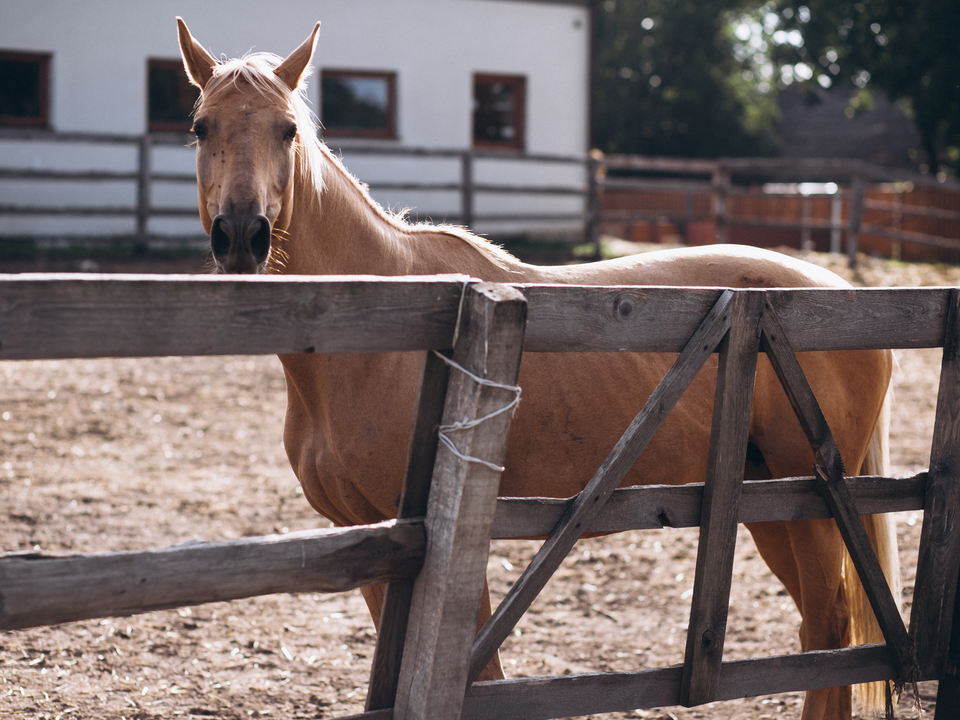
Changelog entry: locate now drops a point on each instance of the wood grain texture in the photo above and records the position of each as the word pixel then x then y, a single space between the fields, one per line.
pixel 572 318
pixel 589 502
pixel 56 316
pixel 392 630
pixel 661 319
pixel 587 694
pixel 78 316
pixel 447 593
pixel 937 564
pixel 729 436
pixel 111 584
pixel 652 507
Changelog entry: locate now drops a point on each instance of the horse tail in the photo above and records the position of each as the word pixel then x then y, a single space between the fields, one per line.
pixel 881 529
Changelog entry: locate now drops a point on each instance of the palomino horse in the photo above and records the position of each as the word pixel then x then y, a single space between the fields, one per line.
pixel 274 199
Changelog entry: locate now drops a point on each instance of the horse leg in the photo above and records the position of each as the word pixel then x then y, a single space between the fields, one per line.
pixel 806 556
pixel 374 594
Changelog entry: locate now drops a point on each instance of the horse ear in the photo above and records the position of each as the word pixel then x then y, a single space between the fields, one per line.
pixel 293 69
pixel 198 63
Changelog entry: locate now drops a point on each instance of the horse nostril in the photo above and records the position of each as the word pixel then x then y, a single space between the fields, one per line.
pixel 260 240
pixel 219 239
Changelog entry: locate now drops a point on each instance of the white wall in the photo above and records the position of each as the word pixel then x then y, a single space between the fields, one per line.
pixel 99 71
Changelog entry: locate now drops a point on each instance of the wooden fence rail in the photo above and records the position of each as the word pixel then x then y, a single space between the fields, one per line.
pixel 435 554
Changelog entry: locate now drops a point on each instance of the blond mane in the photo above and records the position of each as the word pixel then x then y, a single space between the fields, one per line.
pixel 256 69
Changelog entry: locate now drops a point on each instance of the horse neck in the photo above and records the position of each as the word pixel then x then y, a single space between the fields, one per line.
pixel 341 231
pixel 335 232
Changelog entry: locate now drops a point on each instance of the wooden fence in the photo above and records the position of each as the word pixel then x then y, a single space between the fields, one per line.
pixel 698 201
pixel 434 555
pixel 467 187
pixel 769 201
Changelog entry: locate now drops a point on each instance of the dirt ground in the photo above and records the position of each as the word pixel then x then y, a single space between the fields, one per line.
pixel 117 454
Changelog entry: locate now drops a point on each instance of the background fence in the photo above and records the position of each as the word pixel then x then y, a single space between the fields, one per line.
pixel 837 206
pixel 827 205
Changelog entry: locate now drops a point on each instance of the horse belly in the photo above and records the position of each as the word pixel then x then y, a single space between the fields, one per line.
pixel 574 409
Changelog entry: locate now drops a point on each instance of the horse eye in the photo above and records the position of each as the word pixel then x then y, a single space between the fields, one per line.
pixel 200 130
pixel 290 133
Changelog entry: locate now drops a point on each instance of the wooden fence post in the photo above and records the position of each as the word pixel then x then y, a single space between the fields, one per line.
pixel 948 689
pixel 855 220
pixel 466 189
pixel 143 192
pixel 594 200
pixel 721 189
pixel 446 595
pixel 806 216
pixel 836 210
pixel 721 501
pixel 387 658
pixel 937 564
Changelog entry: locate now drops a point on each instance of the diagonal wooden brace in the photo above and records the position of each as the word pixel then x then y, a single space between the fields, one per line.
pixel 836 494
pixel 589 502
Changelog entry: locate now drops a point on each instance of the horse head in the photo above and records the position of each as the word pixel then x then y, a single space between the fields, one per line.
pixel 247 125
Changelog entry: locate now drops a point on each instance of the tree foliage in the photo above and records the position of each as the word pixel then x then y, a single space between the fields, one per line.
pixel 908 49
pixel 668 81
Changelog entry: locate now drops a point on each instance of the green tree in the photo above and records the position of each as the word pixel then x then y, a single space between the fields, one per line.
pixel 908 49
pixel 669 81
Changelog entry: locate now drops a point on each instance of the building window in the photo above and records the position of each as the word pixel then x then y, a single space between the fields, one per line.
pixel 170 96
pixel 24 88
pixel 358 104
pixel 499 107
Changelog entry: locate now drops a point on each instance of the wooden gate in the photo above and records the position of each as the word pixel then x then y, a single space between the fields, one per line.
pixel 434 554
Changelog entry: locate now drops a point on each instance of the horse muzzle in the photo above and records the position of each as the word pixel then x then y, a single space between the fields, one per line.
pixel 240 244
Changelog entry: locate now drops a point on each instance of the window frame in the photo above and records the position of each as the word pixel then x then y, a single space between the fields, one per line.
pixel 166 125
pixel 387 133
pixel 43 61
pixel 519 83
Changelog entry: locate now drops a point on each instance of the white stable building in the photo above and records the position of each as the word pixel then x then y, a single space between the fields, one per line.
pixel 422 97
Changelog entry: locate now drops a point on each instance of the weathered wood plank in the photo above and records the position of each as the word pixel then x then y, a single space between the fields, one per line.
pixel 110 584
pixel 660 319
pixel 73 316
pixel 127 316
pixel 652 507
pixel 574 695
pixel 863 318
pixel 572 318
pixel 937 563
pixel 466 476
pixel 729 436
pixel 387 658
pixel 588 502
pixel 829 470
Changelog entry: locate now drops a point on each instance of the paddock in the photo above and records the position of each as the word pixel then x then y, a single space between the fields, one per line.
pixel 124 479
